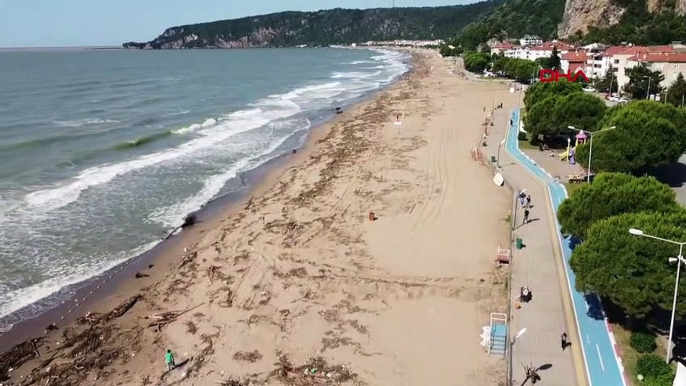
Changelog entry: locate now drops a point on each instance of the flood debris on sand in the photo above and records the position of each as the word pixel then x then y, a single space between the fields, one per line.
pixel 18 355
pixel 315 372
pixel 117 312
pixel 249 356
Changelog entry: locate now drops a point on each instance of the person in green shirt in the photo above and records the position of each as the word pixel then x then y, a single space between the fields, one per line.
pixel 169 359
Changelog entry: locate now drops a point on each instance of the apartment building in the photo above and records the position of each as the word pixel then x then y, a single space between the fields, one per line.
pixel 670 64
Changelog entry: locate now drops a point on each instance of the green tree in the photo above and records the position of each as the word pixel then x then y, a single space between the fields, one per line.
pixel 556 113
pixel 648 134
pixel 539 118
pixel 676 93
pixel 476 62
pixel 633 272
pixel 542 90
pixel 448 49
pixel 640 78
pixel 612 194
pixel 555 61
pixel 580 110
pixel 608 83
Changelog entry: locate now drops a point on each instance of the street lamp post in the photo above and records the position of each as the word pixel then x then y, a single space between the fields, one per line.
pixel 497 160
pixel 590 145
pixel 679 259
pixel 648 90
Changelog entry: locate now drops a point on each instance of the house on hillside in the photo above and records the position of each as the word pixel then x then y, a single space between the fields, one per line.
pixel 500 48
pixel 544 50
pixel 574 61
pixel 530 40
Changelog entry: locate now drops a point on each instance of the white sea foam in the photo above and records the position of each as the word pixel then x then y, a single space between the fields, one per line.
pixel 194 127
pixel 20 298
pixel 172 216
pixel 54 198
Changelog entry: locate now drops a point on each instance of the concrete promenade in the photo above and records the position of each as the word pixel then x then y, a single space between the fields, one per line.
pixel 537 265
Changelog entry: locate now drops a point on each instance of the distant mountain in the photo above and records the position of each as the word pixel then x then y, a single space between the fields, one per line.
pixel 322 28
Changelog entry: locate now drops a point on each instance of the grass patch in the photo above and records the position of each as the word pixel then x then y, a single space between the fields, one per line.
pixel 525 144
pixel 629 355
pixel 572 187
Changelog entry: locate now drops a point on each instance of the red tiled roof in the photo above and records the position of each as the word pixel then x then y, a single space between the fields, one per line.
pixel 548 46
pixel 505 46
pixel 659 57
pixel 575 57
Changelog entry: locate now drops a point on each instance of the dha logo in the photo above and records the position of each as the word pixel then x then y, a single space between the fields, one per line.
pixel 546 75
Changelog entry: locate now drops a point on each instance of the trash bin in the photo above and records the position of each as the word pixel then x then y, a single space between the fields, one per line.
pixel 519 243
pixel 493 158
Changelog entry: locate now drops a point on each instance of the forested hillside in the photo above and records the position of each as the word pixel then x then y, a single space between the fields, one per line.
pixel 322 28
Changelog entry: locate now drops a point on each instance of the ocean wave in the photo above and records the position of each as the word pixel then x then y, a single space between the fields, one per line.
pixel 84 122
pixel 21 298
pixel 212 132
pixel 194 127
pixel 49 140
pixel 172 216
pixel 65 194
pixel 138 142
pixel 354 75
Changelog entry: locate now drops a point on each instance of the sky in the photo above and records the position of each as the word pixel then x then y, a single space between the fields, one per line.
pixel 62 23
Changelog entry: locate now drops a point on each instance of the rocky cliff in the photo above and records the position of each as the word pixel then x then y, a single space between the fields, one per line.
pixel 580 15
pixel 322 28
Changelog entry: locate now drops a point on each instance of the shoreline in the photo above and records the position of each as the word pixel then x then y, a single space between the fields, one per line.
pixel 296 270
pixel 106 285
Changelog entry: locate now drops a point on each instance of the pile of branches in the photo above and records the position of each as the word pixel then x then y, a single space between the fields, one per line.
pixel 162 319
pixel 18 355
pixel 72 372
pixel 315 372
pixel 117 312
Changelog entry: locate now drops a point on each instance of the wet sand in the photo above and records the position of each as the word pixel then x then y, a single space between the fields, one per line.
pixel 299 270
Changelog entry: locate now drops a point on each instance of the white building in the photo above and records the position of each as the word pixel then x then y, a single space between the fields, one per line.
pixel 545 50
pixel 530 40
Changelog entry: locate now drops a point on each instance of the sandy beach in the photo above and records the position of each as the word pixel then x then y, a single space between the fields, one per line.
pixel 301 271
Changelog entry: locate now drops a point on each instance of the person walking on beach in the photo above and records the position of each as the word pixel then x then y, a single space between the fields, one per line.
pixel 563 341
pixel 169 359
pixel 528 201
pixel 526 216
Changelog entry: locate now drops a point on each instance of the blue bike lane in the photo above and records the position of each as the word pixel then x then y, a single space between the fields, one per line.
pixel 603 365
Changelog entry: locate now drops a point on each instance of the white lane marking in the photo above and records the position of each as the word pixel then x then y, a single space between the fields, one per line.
pixel 602 365
pixel 588 339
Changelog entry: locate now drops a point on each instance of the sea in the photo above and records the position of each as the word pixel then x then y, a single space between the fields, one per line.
pixel 103 152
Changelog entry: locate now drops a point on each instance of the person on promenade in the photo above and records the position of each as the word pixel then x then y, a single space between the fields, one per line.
pixel 528 201
pixel 522 197
pixel 563 342
pixel 169 359
pixel 526 216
